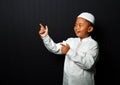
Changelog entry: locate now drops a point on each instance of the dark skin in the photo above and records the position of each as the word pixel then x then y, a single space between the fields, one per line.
pixel 82 30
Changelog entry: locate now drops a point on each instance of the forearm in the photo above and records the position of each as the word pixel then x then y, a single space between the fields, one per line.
pixel 51 45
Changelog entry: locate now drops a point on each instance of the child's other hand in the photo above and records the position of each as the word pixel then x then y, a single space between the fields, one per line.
pixel 65 48
pixel 43 32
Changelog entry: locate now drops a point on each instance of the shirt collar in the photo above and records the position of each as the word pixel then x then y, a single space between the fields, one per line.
pixel 85 39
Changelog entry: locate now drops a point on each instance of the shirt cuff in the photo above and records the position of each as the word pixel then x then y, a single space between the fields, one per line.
pixel 46 38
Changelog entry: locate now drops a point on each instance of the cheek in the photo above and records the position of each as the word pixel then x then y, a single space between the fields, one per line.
pixel 74 28
pixel 83 31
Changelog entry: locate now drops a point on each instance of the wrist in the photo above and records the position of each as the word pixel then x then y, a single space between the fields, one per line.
pixel 43 36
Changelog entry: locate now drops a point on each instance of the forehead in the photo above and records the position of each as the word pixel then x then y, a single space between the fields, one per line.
pixel 81 20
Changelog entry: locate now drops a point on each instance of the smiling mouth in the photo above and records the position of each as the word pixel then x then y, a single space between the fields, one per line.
pixel 77 31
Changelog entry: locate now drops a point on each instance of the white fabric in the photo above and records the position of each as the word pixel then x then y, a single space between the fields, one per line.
pixel 79 60
pixel 87 16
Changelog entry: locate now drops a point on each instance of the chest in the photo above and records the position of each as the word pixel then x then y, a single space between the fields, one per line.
pixel 79 46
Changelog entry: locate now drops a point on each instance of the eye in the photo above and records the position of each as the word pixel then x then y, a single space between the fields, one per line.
pixel 80 24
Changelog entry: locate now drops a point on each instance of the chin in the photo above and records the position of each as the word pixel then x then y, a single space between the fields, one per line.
pixel 77 35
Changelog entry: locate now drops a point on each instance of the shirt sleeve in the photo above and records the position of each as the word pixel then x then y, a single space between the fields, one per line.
pixel 51 45
pixel 84 59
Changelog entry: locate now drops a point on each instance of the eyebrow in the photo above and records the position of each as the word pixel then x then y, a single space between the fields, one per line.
pixel 79 23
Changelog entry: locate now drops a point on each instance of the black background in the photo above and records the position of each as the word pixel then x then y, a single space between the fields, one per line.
pixel 25 60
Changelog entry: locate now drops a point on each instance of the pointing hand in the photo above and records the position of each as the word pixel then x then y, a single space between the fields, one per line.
pixel 43 32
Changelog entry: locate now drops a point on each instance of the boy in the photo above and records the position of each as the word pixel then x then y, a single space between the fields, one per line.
pixel 80 53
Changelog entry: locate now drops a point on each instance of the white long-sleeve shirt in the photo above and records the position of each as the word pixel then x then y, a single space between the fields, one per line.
pixel 79 60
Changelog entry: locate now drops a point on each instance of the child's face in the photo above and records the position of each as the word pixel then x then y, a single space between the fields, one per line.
pixel 82 28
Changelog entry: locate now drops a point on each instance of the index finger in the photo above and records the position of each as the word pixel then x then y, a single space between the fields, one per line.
pixel 41 25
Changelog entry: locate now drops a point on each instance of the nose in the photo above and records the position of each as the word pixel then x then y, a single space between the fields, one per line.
pixel 76 27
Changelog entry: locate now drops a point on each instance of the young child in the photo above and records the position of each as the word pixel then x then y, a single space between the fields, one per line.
pixel 80 52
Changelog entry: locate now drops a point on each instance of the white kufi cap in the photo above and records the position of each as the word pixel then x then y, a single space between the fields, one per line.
pixel 87 16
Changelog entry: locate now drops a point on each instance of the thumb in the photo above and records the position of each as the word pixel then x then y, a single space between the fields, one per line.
pixel 46 28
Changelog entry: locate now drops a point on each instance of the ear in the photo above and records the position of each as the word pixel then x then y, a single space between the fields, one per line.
pixel 90 29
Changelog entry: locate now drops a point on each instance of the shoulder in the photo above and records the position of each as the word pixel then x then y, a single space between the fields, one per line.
pixel 72 39
pixel 93 41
